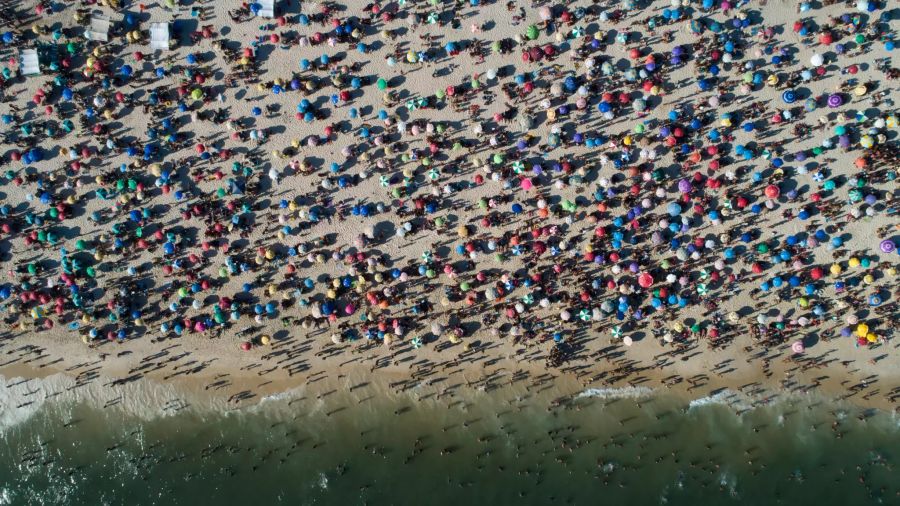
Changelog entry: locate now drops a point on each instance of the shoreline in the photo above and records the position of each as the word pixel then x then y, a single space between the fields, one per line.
pixel 559 390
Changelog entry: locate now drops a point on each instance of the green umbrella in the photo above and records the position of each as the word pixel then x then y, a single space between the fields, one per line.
pixel 532 32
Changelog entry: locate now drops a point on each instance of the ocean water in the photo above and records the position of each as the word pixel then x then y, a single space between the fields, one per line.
pixel 150 444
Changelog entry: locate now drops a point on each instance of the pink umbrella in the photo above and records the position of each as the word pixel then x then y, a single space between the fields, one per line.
pixel 527 184
pixel 797 347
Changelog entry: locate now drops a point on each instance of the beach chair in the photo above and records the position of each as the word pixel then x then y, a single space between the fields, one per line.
pixel 30 62
pixel 99 29
pixel 159 36
pixel 267 8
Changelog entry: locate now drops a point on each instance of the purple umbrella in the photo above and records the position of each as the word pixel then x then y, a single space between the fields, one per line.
pixel 887 246
pixel 684 186
pixel 835 100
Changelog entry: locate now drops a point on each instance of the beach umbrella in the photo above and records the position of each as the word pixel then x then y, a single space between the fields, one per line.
pixel 645 280
pixel 797 347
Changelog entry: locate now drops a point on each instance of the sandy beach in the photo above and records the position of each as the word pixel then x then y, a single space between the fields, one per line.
pixel 411 201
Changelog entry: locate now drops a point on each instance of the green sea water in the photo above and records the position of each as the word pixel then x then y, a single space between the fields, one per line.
pixel 508 447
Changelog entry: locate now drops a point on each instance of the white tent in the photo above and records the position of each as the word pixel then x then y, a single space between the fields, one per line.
pixel 159 36
pixel 30 62
pixel 267 9
pixel 99 29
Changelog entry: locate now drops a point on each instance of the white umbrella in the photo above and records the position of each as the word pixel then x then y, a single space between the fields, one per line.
pixel 545 14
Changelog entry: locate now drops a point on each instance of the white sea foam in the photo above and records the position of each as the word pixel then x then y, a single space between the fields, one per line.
pixel 279 396
pixel 21 399
pixel 730 398
pixel 616 393
pixel 724 397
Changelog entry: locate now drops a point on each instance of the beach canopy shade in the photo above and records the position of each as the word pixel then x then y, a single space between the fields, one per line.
pixel 159 36
pixel 30 65
pixel 266 9
pixel 99 29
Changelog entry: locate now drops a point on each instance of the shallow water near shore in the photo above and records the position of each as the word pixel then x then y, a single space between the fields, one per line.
pixel 371 446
